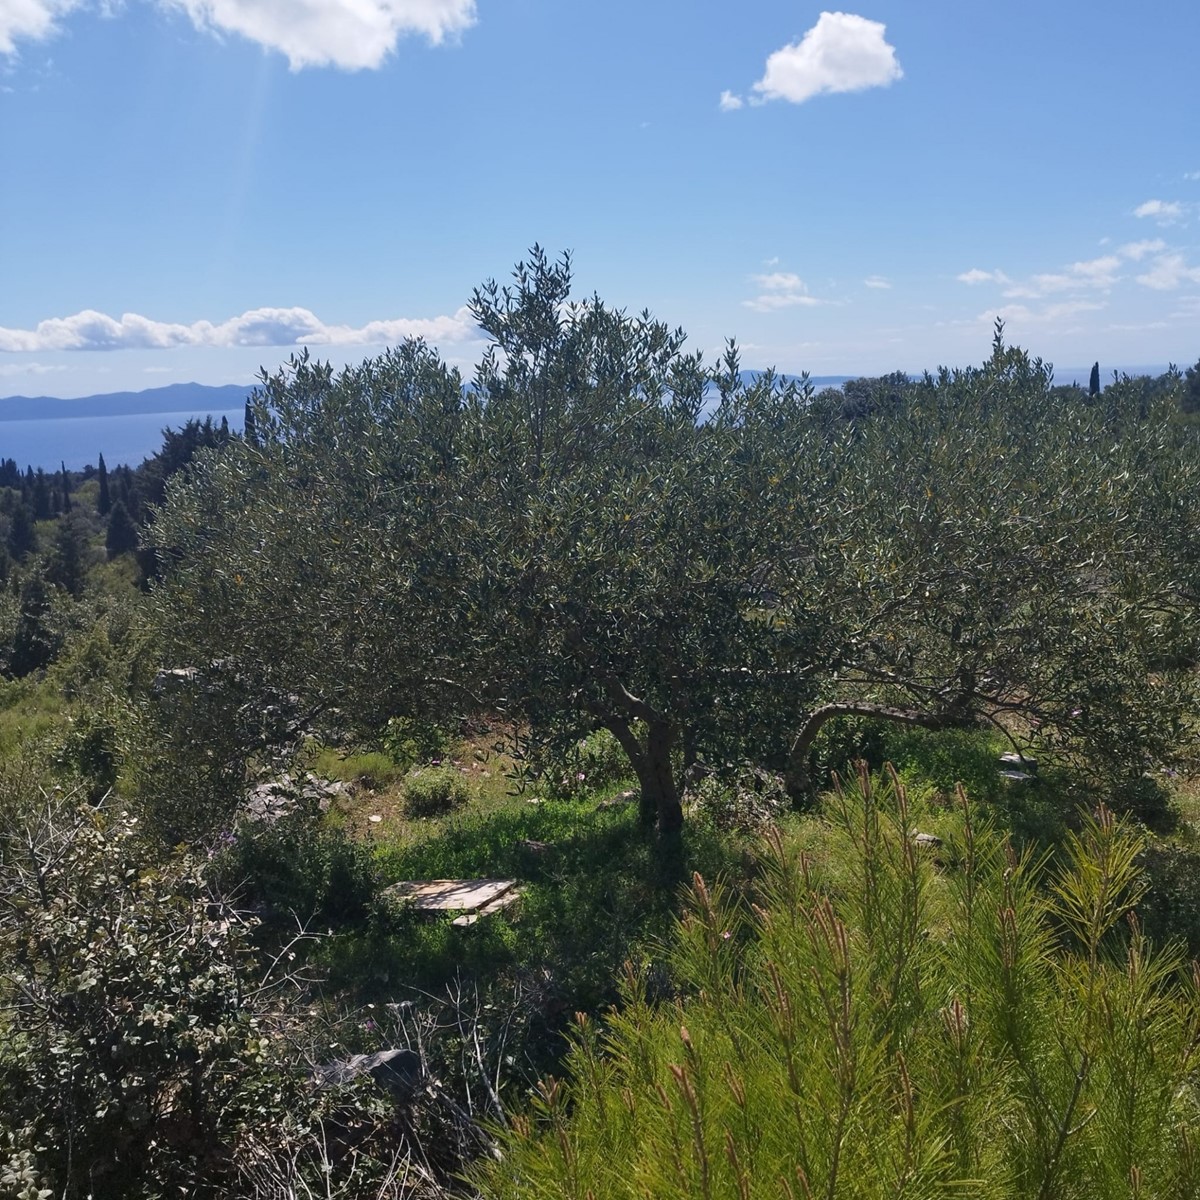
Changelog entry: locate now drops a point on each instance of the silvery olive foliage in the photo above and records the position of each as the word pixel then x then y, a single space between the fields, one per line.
pixel 602 531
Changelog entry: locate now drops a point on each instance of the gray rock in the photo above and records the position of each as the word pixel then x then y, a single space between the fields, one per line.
pixel 175 677
pixel 397 1072
pixel 928 841
pixel 1019 762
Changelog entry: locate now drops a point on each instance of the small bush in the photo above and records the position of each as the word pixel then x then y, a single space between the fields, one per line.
pixel 590 764
pixel 434 791
pixel 131 1049
pixel 1171 907
pixel 746 799
pixel 296 865
pixel 1144 798
pixel 408 741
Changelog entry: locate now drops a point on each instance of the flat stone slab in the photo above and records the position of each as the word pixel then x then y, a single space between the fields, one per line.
pixel 1019 762
pixel 493 906
pixel 451 895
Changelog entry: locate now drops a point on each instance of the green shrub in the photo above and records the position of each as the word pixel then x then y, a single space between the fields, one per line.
pixel 590 764
pixel 131 1051
pixel 90 747
pixel 145 1049
pixel 1144 798
pixel 434 791
pixel 298 869
pixel 1171 907
pixel 892 1023
pixel 746 799
pixel 408 741
pixel 845 741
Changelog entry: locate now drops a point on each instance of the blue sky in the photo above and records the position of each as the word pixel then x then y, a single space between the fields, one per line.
pixel 195 188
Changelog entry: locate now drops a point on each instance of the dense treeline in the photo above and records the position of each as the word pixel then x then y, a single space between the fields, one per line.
pixel 57 529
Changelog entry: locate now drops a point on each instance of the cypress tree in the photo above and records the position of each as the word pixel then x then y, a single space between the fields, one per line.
pixel 1094 381
pixel 122 535
pixel 22 538
pixel 250 432
pixel 104 500
pixel 41 496
pixel 33 644
pixel 66 487
pixel 1191 391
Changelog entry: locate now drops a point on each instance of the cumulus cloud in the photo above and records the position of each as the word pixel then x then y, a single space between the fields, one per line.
pixel 729 102
pixel 975 275
pixel 91 330
pixel 352 34
pixel 1021 315
pixel 842 52
pixel 1167 272
pixel 1094 273
pixel 30 20
pixel 1138 250
pixel 780 289
pixel 1165 212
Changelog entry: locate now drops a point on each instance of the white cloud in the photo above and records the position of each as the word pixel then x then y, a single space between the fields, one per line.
pixel 729 102
pixel 352 34
pixel 30 19
pixel 1138 250
pixel 1193 175
pixel 975 275
pixel 840 53
pixel 91 330
pixel 780 289
pixel 1022 316
pixel 876 281
pixel 780 281
pixel 33 368
pixel 1168 272
pixel 1094 273
pixel 1165 212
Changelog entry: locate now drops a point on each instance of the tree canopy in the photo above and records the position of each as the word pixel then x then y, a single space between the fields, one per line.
pixel 601 530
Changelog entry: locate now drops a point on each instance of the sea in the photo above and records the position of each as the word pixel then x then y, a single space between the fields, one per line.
pixel 129 438
pixel 79 441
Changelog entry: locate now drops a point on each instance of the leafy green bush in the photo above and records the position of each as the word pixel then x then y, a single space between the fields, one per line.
pixel 746 799
pixel 131 1050
pixel 1144 798
pixel 845 741
pixel 90 748
pixel 885 1023
pixel 407 741
pixel 434 791
pixel 1171 907
pixel 298 869
pixel 146 1051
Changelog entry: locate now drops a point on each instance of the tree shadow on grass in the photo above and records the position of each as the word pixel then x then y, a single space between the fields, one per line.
pixel 597 889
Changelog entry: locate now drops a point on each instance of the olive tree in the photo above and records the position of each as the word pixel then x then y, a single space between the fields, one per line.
pixel 1006 556
pixel 600 531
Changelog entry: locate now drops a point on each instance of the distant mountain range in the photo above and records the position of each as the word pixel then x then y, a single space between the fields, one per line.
pixel 175 398
pixel 194 398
